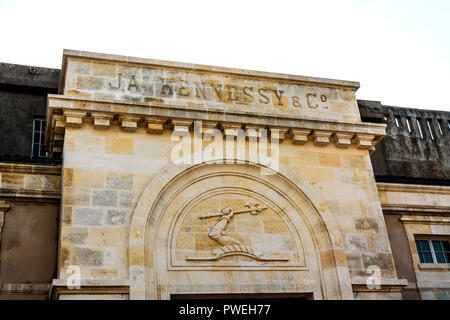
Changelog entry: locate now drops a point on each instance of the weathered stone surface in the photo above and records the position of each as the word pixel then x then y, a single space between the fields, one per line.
pixel 88 257
pixel 406 155
pixel 366 224
pixel 119 181
pixel 115 217
pixel 76 235
pixel 87 216
pixel 104 198
pixel 91 83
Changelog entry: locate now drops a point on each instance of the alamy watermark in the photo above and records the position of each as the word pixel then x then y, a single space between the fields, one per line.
pixel 373 281
pixel 74 279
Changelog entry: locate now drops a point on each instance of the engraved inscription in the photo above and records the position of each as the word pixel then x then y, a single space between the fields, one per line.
pixel 176 88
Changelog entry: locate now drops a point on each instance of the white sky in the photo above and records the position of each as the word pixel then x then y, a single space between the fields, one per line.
pixel 399 51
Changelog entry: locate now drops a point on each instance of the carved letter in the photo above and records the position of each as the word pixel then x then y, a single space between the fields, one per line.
pixel 231 96
pixel 248 94
pixel 119 76
pixel 309 102
pixel 266 98
pixel 218 93
pixel 200 91
pixel 166 90
pixel 133 82
pixel 278 96
pixel 184 92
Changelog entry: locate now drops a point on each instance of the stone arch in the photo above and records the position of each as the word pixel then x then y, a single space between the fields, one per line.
pixel 320 222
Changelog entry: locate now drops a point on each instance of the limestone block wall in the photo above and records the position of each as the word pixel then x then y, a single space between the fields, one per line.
pixel 105 173
pixel 114 127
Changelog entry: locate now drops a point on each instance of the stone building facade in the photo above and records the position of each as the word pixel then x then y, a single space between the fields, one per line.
pixel 163 180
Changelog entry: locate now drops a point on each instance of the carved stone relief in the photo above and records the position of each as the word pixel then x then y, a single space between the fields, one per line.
pixel 229 245
pixel 248 232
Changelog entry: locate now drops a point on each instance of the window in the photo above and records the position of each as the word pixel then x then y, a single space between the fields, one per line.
pixel 433 251
pixel 421 127
pixel 441 127
pixel 409 124
pixel 398 121
pixel 38 144
pixel 431 128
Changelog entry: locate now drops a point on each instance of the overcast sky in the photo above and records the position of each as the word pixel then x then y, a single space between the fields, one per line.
pixel 398 50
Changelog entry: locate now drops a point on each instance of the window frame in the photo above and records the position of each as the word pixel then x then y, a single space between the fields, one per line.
pixel 432 251
pixel 41 131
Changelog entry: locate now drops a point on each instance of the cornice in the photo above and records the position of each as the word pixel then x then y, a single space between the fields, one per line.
pixel 30 168
pixel 27 194
pixel 412 188
pixel 64 111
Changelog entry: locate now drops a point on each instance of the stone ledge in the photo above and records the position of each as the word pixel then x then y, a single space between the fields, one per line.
pixel 435 266
pixel 387 285
pixel 35 195
pixel 25 288
pixel 415 209
pixel 30 168
pixel 412 188
pixel 425 220
pixel 433 285
pixel 90 286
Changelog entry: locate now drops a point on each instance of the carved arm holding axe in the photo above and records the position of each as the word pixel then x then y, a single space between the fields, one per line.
pixel 218 233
